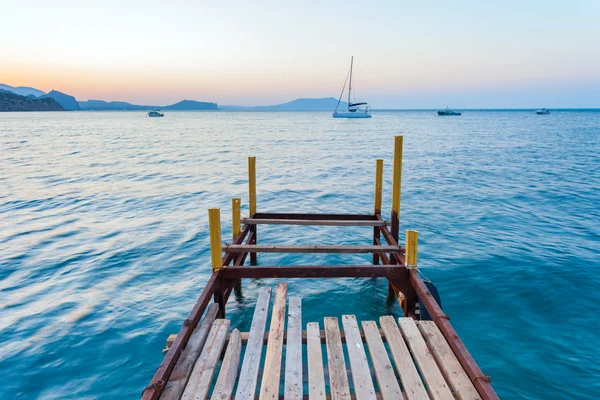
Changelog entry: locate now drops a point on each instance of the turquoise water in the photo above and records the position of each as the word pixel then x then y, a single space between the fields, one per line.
pixel 104 239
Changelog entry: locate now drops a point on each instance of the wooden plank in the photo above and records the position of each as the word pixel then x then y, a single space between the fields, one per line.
pixel 409 376
pixel 245 335
pixel 316 375
pixel 181 373
pixel 226 381
pixel 269 388
pixel 201 378
pixel 361 374
pixel 384 372
pixel 338 377
pixel 319 222
pixel 455 375
pixel 436 384
pixel 249 373
pixel 337 249
pixel 293 352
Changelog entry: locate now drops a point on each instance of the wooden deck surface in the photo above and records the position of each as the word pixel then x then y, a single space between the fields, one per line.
pixel 395 359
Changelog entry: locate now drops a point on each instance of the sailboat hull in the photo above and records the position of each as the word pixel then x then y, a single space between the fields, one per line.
pixel 351 115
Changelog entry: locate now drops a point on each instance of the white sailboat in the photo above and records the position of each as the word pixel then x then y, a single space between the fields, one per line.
pixel 354 110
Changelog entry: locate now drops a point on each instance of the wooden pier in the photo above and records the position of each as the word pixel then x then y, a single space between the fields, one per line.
pixel 386 358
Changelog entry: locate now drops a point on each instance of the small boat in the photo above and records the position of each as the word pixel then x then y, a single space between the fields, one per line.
pixel 354 110
pixel 542 111
pixel 155 113
pixel 448 111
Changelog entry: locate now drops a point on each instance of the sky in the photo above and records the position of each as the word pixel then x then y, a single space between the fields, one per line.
pixel 408 54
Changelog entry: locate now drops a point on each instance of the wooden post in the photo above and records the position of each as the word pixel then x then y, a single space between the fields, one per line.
pixel 378 190
pixel 410 261
pixel 216 256
pixel 214 221
pixel 396 186
pixel 235 216
pixel 235 222
pixel 252 195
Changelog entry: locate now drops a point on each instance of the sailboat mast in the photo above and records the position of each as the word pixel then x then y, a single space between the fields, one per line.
pixel 350 85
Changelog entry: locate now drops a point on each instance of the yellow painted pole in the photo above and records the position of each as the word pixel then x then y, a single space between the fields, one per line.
pixel 412 238
pixel 252 184
pixel 396 185
pixel 235 215
pixel 378 185
pixel 214 222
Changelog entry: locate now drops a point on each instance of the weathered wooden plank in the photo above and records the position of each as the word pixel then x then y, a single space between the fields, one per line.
pixel 245 335
pixel 409 376
pixel 384 372
pixel 181 373
pixel 269 388
pixel 227 376
pixel 263 248
pixel 293 352
pixel 249 373
pixel 361 374
pixel 338 377
pixel 319 222
pixel 455 375
pixel 199 383
pixel 316 376
pixel 436 384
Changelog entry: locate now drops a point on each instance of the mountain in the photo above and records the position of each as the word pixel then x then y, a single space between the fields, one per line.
pixel 191 105
pixel 111 105
pixel 68 102
pixel 22 90
pixel 10 101
pixel 303 104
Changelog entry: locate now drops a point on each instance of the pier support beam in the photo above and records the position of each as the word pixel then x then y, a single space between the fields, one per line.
pixel 377 208
pixel 410 261
pixel 235 230
pixel 396 192
pixel 252 196
pixel 214 221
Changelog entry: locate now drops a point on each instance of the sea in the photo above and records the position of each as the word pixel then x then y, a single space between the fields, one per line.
pixel 104 242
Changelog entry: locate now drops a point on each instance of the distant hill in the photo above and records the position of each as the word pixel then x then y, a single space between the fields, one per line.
pixel 112 105
pixel 303 104
pixel 191 105
pixel 10 101
pixel 22 90
pixel 185 105
pixel 68 102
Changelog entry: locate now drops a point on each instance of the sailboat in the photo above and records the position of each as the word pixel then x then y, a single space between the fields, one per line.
pixel 354 110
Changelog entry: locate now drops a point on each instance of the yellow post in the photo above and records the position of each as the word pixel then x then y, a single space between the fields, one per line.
pixel 396 185
pixel 412 238
pixel 378 185
pixel 214 222
pixel 252 184
pixel 235 215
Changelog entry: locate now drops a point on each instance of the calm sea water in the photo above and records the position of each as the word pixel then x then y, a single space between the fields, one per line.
pixel 104 239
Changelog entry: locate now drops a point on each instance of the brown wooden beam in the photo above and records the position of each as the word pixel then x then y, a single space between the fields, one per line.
pixel 317 216
pixel 239 248
pixel 321 222
pixel 314 271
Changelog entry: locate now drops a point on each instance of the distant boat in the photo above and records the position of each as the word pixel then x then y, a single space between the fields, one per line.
pixel 448 111
pixel 354 110
pixel 155 113
pixel 542 111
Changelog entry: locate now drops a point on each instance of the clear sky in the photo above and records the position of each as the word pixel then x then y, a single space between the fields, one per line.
pixel 408 54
